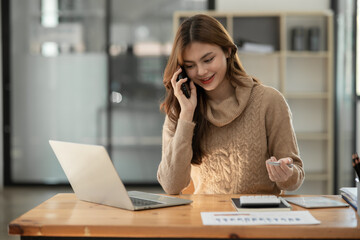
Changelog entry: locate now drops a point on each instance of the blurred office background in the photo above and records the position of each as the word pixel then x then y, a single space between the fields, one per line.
pixel 87 71
pixel 90 71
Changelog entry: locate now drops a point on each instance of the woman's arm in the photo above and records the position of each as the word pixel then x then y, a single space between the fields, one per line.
pixel 281 137
pixel 175 166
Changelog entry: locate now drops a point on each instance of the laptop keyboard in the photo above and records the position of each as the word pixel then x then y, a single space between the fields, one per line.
pixel 143 202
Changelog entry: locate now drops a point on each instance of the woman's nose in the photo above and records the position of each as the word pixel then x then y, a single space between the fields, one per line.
pixel 201 71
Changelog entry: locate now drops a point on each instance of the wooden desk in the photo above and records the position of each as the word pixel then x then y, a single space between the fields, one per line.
pixel 64 216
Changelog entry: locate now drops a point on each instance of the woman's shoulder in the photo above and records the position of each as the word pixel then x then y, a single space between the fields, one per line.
pixel 272 100
pixel 270 94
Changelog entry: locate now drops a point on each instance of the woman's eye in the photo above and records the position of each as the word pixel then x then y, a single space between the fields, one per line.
pixel 188 66
pixel 209 60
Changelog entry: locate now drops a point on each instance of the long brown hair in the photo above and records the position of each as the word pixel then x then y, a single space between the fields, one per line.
pixel 205 29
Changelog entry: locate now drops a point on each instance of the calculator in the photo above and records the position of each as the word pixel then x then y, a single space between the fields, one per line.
pixel 259 201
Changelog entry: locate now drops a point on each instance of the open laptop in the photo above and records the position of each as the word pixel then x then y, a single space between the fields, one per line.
pixel 94 178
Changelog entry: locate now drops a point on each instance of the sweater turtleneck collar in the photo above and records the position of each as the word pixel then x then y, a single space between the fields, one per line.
pixel 223 113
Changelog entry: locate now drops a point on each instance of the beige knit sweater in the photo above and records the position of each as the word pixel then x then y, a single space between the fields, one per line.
pixel 246 130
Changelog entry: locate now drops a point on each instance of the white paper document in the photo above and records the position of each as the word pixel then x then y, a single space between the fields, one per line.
pixel 258 218
pixel 315 202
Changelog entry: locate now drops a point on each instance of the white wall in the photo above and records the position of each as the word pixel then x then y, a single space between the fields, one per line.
pixel 272 5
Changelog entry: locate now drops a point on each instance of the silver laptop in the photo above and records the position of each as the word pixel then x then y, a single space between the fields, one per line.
pixel 94 178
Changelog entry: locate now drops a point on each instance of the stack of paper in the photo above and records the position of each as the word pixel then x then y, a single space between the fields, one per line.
pixel 349 194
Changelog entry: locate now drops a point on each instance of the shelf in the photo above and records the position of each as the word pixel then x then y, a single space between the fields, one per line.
pixel 306 54
pixel 325 13
pixel 267 30
pixel 307 95
pixel 259 54
pixel 312 136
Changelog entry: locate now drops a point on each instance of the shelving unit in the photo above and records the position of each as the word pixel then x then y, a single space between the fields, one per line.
pixel 305 78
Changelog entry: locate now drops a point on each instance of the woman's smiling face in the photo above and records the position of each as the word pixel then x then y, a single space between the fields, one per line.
pixel 205 64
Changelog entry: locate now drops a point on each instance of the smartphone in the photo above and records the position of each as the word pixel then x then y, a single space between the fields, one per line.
pixel 278 164
pixel 185 87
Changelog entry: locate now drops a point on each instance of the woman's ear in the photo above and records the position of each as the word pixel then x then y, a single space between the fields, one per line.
pixel 228 52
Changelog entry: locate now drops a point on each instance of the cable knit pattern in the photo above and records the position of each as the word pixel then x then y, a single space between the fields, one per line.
pixel 225 168
pixel 237 147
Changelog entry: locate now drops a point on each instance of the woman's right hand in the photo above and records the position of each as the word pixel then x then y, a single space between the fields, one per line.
pixel 187 105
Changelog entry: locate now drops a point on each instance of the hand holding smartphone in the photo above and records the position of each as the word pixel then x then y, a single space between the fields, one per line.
pixel 185 87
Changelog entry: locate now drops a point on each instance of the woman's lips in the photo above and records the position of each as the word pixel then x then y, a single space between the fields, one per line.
pixel 207 80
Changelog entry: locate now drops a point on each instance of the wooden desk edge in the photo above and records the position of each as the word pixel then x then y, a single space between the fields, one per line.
pixel 27 228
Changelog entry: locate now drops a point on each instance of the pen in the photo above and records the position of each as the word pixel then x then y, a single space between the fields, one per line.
pixel 285 202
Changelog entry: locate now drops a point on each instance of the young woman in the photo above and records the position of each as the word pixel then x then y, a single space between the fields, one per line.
pixel 224 136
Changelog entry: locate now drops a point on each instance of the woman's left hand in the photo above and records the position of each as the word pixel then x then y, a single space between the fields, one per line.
pixel 282 172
